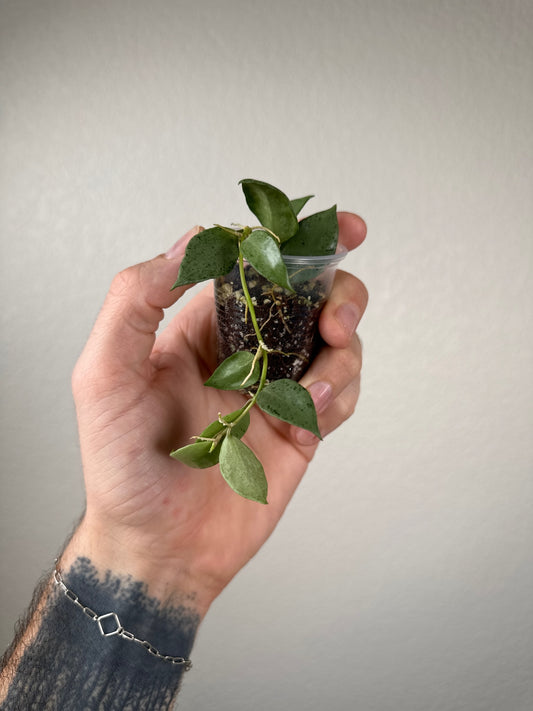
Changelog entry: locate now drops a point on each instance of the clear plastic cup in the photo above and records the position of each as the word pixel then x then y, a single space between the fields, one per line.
pixel 288 321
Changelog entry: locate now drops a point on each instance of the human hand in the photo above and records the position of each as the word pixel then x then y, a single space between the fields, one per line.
pixel 184 530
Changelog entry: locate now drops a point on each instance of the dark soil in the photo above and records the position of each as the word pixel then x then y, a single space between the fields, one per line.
pixel 288 321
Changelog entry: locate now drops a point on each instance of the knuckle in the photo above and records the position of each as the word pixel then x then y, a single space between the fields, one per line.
pixel 351 362
pixel 359 294
pixel 348 400
pixel 125 280
pixel 346 407
pixel 129 288
pixel 354 289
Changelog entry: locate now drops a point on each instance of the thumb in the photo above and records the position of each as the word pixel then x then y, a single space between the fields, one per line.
pixel 124 333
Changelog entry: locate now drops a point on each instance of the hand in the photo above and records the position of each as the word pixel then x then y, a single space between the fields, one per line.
pixel 137 397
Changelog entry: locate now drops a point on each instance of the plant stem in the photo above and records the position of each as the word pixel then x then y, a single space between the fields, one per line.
pixel 251 401
pixel 264 353
pixel 263 376
pixel 248 297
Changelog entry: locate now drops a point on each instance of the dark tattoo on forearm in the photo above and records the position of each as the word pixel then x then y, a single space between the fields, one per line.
pixel 69 665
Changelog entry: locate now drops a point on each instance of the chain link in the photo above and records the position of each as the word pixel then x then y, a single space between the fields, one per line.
pixel 119 631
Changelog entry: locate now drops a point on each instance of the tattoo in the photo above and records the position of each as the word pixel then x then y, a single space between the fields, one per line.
pixel 69 665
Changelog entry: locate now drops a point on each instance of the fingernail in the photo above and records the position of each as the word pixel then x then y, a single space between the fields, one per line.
pixel 348 317
pixel 321 394
pixel 178 249
pixel 305 437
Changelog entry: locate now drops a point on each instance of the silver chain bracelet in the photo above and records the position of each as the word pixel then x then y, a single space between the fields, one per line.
pixel 119 630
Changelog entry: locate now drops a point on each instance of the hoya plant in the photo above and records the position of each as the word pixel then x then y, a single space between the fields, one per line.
pixel 256 253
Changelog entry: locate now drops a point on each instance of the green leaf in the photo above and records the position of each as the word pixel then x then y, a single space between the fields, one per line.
pixel 231 373
pixel 209 254
pixel 317 235
pixel 271 207
pixel 298 203
pixel 199 454
pixel 242 470
pixel 290 402
pixel 262 252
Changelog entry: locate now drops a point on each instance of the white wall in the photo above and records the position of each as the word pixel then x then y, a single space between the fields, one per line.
pixel 401 577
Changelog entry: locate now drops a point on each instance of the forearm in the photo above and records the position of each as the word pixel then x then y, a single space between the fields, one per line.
pixel 63 661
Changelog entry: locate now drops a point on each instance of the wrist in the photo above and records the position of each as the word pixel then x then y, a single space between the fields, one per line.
pixel 98 640
pixel 125 611
pixel 121 553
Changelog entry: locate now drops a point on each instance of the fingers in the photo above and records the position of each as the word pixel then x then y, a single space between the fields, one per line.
pixel 124 333
pixel 333 380
pixel 352 229
pixel 349 297
pixel 343 310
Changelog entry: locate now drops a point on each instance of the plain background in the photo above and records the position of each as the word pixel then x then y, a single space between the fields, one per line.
pixel 401 576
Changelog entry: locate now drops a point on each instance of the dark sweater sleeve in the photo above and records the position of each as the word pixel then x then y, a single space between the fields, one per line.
pixel 71 665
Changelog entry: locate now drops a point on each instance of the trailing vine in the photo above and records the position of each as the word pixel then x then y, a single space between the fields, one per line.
pixel 213 253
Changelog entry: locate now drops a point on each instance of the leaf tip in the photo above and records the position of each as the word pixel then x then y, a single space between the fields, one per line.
pixel 259 499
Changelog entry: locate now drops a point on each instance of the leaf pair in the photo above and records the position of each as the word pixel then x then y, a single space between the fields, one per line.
pixel 213 252
pixel 205 451
pixel 316 235
pixel 238 464
pixel 285 399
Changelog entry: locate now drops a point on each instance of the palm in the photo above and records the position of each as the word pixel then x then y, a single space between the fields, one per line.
pixel 154 411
